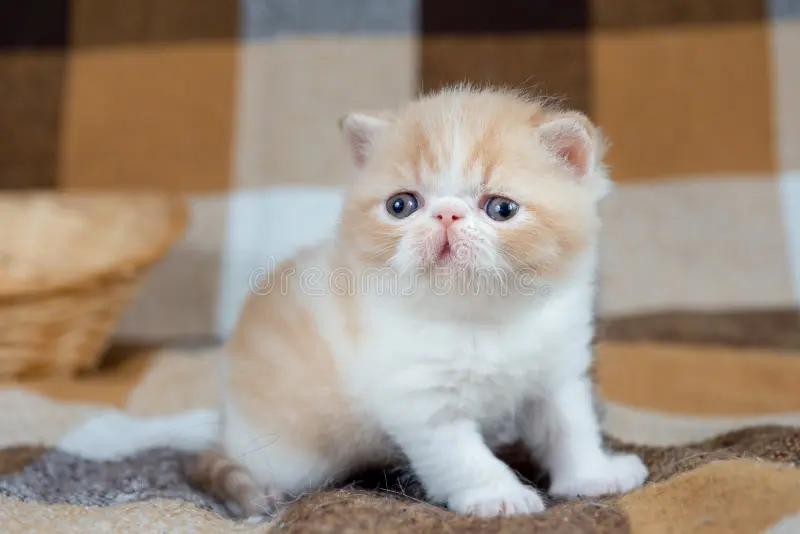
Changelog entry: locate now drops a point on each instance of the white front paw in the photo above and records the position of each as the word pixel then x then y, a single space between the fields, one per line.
pixel 492 500
pixel 618 473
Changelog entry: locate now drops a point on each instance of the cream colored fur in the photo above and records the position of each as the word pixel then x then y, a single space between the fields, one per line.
pixel 358 352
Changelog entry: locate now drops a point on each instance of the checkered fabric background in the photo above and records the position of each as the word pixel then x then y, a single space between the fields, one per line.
pixel 236 104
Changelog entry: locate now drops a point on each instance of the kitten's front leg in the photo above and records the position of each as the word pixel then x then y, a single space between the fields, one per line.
pixel 563 432
pixel 457 468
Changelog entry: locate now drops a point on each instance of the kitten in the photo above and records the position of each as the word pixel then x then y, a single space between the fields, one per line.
pixel 451 314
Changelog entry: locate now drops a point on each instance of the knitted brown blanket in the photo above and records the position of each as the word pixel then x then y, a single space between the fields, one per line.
pixel 734 472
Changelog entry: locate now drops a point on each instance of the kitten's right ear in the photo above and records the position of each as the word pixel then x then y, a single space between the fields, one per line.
pixel 360 132
pixel 571 139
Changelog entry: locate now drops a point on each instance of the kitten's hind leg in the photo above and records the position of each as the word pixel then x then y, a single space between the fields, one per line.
pixel 227 480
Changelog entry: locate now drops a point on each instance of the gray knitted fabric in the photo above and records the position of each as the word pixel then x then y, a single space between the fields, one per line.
pixel 61 478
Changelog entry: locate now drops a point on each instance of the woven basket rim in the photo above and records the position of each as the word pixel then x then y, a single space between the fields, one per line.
pixel 178 214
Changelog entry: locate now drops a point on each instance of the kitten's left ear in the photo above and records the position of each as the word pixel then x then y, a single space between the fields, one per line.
pixel 360 131
pixel 573 140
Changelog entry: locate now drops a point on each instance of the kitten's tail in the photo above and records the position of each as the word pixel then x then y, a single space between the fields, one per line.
pixel 223 477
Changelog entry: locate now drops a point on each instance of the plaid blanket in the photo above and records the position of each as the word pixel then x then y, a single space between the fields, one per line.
pixel 235 104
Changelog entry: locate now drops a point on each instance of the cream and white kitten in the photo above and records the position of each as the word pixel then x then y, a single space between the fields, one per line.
pixel 450 314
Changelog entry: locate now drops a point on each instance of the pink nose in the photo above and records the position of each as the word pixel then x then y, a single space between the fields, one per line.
pixel 448 215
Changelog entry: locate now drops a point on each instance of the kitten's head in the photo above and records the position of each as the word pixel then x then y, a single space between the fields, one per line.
pixel 473 180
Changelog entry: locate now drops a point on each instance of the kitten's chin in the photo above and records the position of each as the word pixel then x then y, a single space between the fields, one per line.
pixel 445 263
pixel 448 265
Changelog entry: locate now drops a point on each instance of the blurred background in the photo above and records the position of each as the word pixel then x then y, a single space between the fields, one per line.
pixel 235 104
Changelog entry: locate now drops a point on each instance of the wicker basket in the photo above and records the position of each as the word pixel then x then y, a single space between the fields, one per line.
pixel 69 265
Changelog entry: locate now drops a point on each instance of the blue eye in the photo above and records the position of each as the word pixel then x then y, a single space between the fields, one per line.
pixel 402 205
pixel 500 208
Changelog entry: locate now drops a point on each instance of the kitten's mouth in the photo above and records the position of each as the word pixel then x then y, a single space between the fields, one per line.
pixel 445 252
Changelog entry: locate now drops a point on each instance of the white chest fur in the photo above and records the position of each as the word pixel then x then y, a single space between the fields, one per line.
pixel 410 368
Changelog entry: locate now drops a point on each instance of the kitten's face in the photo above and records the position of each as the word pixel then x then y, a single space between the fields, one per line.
pixel 471 183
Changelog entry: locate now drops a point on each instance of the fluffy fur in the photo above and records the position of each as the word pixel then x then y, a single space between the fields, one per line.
pixel 439 336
